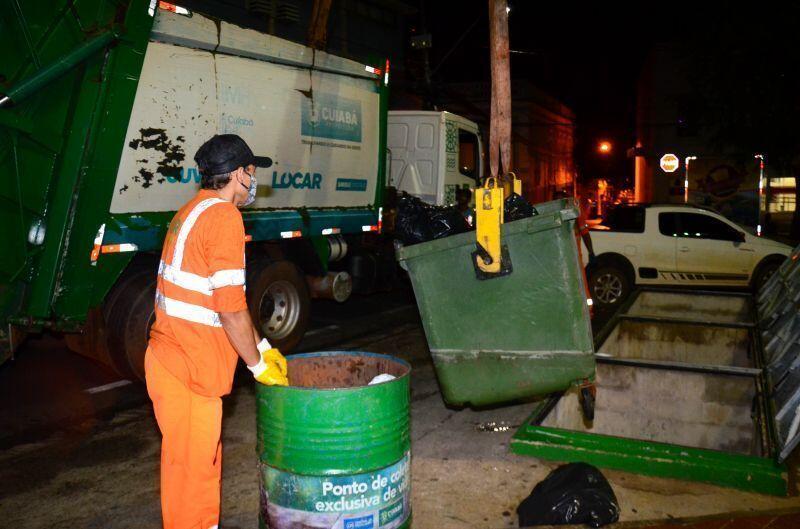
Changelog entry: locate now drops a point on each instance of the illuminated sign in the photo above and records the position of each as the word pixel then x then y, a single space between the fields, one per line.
pixel 669 163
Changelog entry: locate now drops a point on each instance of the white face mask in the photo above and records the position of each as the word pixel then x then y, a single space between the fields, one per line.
pixel 251 190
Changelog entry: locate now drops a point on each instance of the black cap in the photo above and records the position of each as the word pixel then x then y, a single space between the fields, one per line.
pixel 222 154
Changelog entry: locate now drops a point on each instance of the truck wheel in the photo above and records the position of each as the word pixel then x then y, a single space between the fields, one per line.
pixel 609 286
pixel 129 321
pixel 280 304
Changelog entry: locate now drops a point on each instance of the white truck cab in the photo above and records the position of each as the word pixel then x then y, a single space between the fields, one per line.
pixel 433 153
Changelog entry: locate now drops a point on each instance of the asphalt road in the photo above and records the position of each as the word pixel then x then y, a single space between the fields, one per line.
pixel 47 388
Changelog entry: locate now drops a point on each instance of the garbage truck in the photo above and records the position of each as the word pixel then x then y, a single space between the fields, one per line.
pixel 102 107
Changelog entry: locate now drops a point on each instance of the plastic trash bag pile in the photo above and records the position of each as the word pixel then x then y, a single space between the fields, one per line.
pixel 418 222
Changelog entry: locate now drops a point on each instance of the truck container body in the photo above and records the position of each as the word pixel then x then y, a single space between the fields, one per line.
pixel 102 107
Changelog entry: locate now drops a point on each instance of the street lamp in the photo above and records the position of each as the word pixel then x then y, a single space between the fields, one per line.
pixel 762 205
pixel 604 147
pixel 686 177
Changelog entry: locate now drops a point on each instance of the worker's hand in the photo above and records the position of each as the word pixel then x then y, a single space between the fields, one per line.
pixel 268 373
pixel 271 367
pixel 269 353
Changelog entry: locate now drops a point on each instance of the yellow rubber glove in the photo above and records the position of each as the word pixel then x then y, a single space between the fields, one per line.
pixel 270 375
pixel 269 353
pixel 271 369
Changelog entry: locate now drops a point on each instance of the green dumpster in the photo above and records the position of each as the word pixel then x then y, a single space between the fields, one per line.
pixel 512 336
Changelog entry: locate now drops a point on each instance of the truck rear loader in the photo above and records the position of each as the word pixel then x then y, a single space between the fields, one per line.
pixel 102 107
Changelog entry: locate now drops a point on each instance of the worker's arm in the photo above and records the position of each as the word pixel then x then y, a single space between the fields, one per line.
pixel 225 248
pixel 267 364
pixel 242 335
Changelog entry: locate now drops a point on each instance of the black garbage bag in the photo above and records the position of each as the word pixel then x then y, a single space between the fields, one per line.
pixel 447 221
pixel 418 222
pixel 515 207
pixel 571 494
pixel 412 224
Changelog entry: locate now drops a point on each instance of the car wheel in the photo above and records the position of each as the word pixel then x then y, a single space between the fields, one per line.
pixel 609 286
pixel 762 275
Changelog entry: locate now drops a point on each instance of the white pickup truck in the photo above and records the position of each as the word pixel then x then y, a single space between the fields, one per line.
pixel 674 245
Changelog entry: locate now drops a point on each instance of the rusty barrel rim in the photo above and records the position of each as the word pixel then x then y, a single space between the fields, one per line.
pixel 320 354
pixel 335 431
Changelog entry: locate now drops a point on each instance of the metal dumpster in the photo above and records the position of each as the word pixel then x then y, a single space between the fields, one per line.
pixel 692 385
pixel 513 336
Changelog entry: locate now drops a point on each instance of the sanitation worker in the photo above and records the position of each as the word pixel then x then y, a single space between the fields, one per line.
pixel 202 327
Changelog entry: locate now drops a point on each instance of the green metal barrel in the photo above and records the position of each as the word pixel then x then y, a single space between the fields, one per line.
pixel 513 336
pixel 334 451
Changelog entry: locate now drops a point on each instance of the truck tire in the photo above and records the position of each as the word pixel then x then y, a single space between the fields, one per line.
pixel 279 303
pixel 609 286
pixel 128 325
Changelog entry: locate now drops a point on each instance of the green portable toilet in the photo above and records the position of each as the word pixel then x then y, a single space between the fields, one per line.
pixel 513 336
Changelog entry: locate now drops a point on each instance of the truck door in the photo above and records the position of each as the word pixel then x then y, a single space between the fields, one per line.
pixel 462 159
pixel 414 146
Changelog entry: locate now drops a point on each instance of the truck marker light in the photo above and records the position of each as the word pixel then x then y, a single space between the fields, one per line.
pixel 331 231
pixel 98 243
pixel 178 10
pixel 248 238
pixel 373 70
pixel 386 73
pixel 589 301
pixel 291 234
pixel 119 248
pixel 369 228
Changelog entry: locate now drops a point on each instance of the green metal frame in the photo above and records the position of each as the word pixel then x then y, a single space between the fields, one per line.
pixel 757 474
pixel 72 80
pixel 752 473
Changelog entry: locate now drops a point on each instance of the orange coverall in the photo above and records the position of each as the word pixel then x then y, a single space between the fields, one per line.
pixel 189 362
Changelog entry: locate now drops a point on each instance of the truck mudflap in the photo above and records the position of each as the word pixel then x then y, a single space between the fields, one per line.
pixel 10 338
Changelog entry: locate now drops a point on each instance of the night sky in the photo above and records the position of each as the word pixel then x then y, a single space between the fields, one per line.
pixel 586 57
pixel 589 56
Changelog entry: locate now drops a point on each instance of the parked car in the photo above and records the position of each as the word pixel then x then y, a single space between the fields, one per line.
pixel 674 245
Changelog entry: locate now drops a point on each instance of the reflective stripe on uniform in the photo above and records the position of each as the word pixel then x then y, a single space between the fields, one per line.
pixel 227 278
pixel 186 280
pixel 172 273
pixel 186 227
pixel 187 311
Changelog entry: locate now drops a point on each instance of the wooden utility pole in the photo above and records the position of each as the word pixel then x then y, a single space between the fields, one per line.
pixel 318 27
pixel 500 117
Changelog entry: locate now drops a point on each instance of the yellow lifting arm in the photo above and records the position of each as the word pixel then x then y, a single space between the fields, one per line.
pixel 488 218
